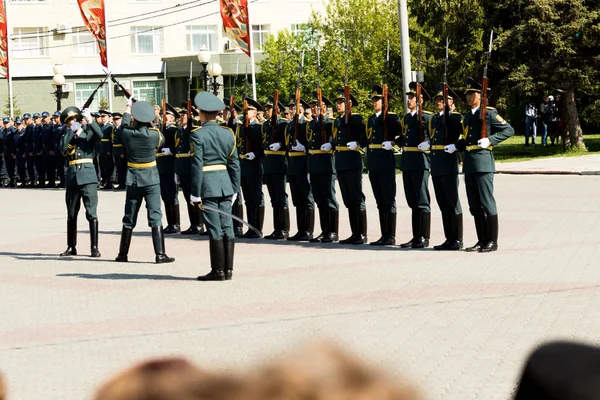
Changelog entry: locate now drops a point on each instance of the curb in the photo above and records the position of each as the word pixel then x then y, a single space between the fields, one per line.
pixel 550 172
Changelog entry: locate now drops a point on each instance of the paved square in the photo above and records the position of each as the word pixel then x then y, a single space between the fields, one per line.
pixel 458 324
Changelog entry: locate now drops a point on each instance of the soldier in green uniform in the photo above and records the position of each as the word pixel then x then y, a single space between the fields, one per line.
pixel 78 146
pixel 183 173
pixel 321 169
pixel 296 137
pixel 349 138
pixel 215 183
pixel 119 156
pixel 107 164
pixel 143 183
pixel 414 164
pixel 479 166
pixel 249 144
pixel 381 164
pixel 445 129
pixel 169 190
pixel 275 166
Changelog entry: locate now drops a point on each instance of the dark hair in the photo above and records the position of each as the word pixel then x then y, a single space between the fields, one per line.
pixel 210 114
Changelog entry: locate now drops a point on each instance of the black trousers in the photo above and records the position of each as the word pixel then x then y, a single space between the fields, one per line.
pixel 31 168
pixel 416 190
pixel 50 168
pixel 350 182
pixel 480 193
pixel 108 168
pixel 276 187
pixel 323 190
pixel 446 194
pixel 383 183
pixel 252 189
pixel 301 194
pixel 11 164
pixel 89 194
pixel 59 162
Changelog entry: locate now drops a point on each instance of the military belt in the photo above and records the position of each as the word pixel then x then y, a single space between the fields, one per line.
pixel 242 156
pixel 476 147
pixel 217 167
pixel 183 155
pixel 320 152
pixel 297 154
pixel 416 149
pixel 105 140
pixel 141 165
pixel 376 146
pixel 438 147
pixel 163 155
pixel 275 153
pixel 344 149
pixel 81 161
pixel 117 145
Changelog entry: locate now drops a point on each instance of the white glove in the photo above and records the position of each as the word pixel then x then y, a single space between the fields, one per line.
pixel 326 147
pixel 299 147
pixel 450 148
pixel 352 145
pixel 130 101
pixel 387 145
pixel 234 198
pixel 195 199
pixel 484 143
pixel 166 151
pixel 176 179
pixel 275 146
pixel 76 128
pixel 250 156
pixel 87 115
pixel 308 177
pixel 424 146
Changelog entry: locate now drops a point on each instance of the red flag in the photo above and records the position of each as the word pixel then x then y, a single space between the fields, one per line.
pixel 235 21
pixel 92 12
pixel 3 43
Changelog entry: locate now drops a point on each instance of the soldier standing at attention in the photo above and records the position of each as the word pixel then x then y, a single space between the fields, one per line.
pixel 414 164
pixel 106 159
pixel 321 169
pixel 29 143
pixel 445 129
pixel 169 190
pixel 77 145
pixel 58 129
pixel 215 183
pixel 381 164
pixel 143 182
pixel 9 151
pixel 348 165
pixel 479 166
pixel 21 151
pixel 117 151
pixel 38 147
pixel 48 149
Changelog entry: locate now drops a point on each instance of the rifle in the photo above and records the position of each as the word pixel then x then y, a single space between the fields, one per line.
pixel 484 86
pixel 445 91
pixel 164 105
pixel 347 98
pixel 88 102
pixel 123 88
pixel 297 113
pixel 245 112
pixel 320 100
pixel 232 99
pixel 385 93
pixel 419 108
pixel 275 112
pixel 190 116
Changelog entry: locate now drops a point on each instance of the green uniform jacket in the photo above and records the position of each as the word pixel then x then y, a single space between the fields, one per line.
pixel 297 165
pixel 117 141
pixel 411 159
pixel 275 162
pixel 443 163
pixel 320 162
pixel 346 159
pixel 141 143
pixel 183 165
pixel 475 158
pixel 80 148
pixel 249 140
pixel 378 158
pixel 215 164
pixel 108 131
pixel 166 164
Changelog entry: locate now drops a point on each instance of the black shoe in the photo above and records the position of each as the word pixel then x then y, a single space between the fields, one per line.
pixel 491 242
pixel 217 261
pixel 416 243
pixel 238 210
pixel 362 239
pixel 281 223
pixel 256 218
pixel 173 219
pixel 94 238
pixel 124 246
pixel 192 230
pixel 70 251
pixel 420 227
pixel 305 219
pixel 158 240
pixel 333 217
pixel 71 239
pixel 229 245
pixel 353 217
pixel 480 227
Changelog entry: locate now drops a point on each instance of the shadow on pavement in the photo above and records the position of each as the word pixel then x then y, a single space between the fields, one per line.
pixel 116 276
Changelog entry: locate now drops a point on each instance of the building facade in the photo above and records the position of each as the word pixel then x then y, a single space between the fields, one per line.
pixel 150 46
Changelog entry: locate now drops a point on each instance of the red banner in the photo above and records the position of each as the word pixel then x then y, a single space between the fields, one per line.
pixel 235 21
pixel 3 43
pixel 94 19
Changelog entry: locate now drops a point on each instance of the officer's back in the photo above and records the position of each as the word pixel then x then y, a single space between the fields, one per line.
pixel 140 143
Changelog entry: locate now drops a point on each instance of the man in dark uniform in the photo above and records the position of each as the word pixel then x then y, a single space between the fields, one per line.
pixel 249 144
pixel 445 129
pixel 78 144
pixel 30 145
pixel 169 190
pixel 381 165
pixel 320 167
pixel 414 164
pixel 48 148
pixel 99 172
pixel 238 205
pixel 215 181
pixel 119 157
pixel 3 172
pixel 59 160
pixel 349 137
pixel 296 137
pixel 275 166
pixel 143 182
pixel 479 166
pixel 21 151
pixel 38 150
pixel 183 173
pixel 107 164
pixel 9 150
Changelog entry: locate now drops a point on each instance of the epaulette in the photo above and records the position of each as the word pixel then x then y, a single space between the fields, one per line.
pixel 456 113
pixel 427 112
pixel 154 129
pixel 355 114
pixel 195 128
pixel 226 127
pixel 391 113
pixel 490 108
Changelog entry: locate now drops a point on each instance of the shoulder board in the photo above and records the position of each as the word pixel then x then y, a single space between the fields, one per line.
pixel 355 114
pixel 226 128
pixel 195 128
pixel 154 129
pixel 456 113
pixel 490 108
pixel 391 113
pixel 427 112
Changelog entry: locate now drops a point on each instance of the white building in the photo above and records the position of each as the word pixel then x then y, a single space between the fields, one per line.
pixel 144 36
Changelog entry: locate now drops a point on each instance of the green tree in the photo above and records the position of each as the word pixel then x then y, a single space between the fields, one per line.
pixel 103 103
pixel 16 110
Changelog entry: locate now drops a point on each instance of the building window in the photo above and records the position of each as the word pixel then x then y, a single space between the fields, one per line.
pixel 200 36
pixel 299 29
pixel 150 91
pixel 146 39
pixel 259 35
pixel 83 43
pixel 84 90
pixel 30 42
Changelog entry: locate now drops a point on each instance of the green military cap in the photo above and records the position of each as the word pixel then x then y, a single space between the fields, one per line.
pixel 440 91
pixel 292 102
pixel 471 85
pixel 323 98
pixel 170 110
pixel 340 96
pixel 104 112
pixel 117 115
pixel 271 100
pixel 70 113
pixel 253 105
pixel 377 93
pixel 142 111
pixel 207 101
pixel 227 102
pixel 412 90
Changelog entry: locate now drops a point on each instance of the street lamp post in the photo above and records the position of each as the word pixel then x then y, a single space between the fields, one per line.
pixel 204 58
pixel 214 69
pixel 58 80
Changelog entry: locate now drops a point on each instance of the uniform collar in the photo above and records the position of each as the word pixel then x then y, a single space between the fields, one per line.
pixel 412 113
pixel 474 110
pixel 210 123
pixel 377 114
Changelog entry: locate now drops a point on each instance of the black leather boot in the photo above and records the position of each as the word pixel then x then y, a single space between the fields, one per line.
pixel 217 262
pixel 229 245
pixel 421 225
pixel 281 224
pixel 173 224
pixel 361 226
pixel 193 216
pixel 382 227
pixel 389 238
pixel 158 240
pixel 456 232
pixel 334 224
pixel 491 241
pixel 324 220
pixel 447 224
pixel 124 246
pixel 256 218
pixel 71 239
pixel 305 219
pixel 481 233
pixel 353 217
pixel 416 230
pixel 200 218
pixel 425 229
pixel 238 210
pixel 94 238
